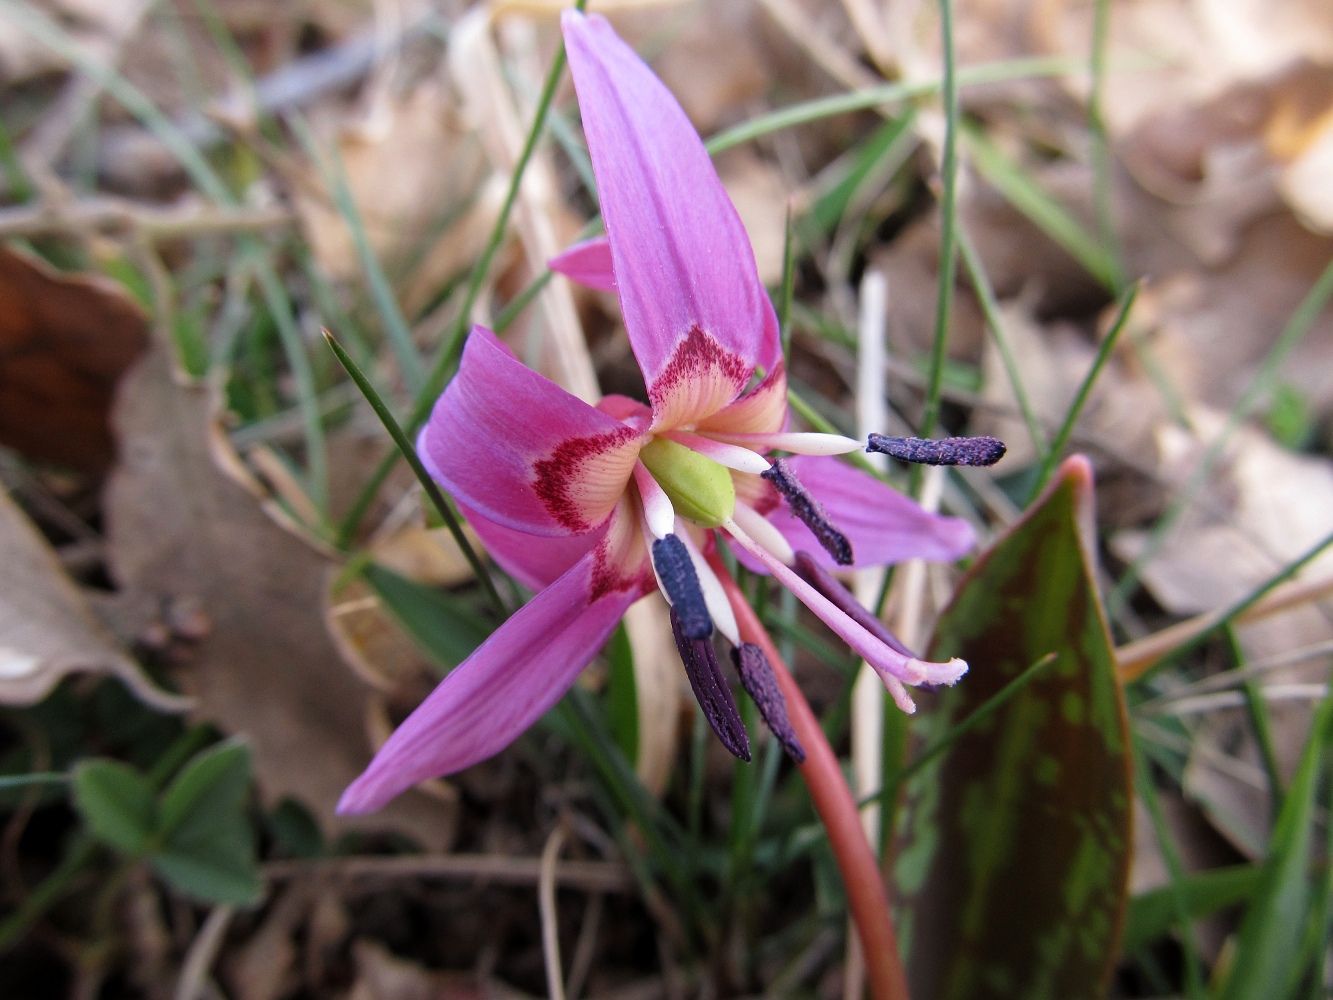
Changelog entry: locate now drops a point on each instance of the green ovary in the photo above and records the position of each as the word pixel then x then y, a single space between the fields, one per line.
pixel 700 490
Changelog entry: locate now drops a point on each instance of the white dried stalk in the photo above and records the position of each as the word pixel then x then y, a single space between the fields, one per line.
pixel 867 722
pixel 474 63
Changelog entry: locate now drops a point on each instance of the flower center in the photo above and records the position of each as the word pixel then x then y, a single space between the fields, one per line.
pixel 700 489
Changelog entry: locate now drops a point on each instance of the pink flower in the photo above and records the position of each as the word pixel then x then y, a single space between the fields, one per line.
pixel 594 507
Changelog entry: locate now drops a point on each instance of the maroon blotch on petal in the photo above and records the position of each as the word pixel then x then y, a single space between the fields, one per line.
pixel 810 511
pixel 676 571
pixel 711 691
pixel 827 584
pixel 938 451
pixel 758 680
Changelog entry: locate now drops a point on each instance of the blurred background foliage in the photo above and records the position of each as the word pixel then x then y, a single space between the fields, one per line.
pixel 220 587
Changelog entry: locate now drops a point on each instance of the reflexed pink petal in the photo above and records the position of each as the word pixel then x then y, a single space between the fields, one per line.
pixel 536 561
pixel 505 686
pixel 588 263
pixel 762 410
pixel 883 526
pixel 698 318
pixel 520 450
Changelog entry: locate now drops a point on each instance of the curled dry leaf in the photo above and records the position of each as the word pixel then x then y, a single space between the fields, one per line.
pixel 65 341
pixel 1268 507
pixel 177 527
pixel 47 629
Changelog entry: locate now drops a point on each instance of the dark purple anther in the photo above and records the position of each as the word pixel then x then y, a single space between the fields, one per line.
pixel 757 678
pixel 810 511
pixel 939 451
pixel 676 571
pixel 710 689
pixel 827 584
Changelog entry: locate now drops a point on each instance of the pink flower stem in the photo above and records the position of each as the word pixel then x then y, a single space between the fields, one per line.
pixel 833 801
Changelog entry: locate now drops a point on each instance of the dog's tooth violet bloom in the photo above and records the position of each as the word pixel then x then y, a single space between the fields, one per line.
pixel 594 507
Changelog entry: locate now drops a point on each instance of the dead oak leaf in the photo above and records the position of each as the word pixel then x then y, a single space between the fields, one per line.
pixel 178 528
pixel 47 630
pixel 65 341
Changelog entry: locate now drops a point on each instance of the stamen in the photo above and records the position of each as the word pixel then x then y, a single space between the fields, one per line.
pixel 758 680
pixel 658 513
pixel 810 511
pixel 710 688
pixel 827 584
pixel 715 598
pixel 939 451
pixel 675 571
pixel 761 529
pixel 796 442
pixel 730 455
pixel 886 660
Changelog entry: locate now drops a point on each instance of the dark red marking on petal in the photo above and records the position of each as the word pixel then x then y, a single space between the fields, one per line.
pixel 558 475
pixel 695 357
pixel 609 578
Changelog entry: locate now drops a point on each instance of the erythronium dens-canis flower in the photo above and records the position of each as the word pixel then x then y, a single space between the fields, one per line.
pixel 595 507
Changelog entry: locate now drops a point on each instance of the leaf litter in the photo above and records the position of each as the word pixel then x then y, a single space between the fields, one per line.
pixel 1219 121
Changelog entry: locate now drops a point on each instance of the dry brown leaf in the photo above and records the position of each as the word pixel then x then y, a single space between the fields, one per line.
pixel 179 528
pixel 429 215
pixel 64 343
pixel 47 630
pixel 382 975
pixel 1279 504
pixel 1276 505
pixel 265 968
pixel 1216 326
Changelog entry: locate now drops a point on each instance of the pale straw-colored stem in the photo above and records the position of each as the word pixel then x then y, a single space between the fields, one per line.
pixel 867 721
pixel 1134 659
pixel 555 978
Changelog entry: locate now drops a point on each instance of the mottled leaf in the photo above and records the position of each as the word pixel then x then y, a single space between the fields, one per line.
pixel 1014 846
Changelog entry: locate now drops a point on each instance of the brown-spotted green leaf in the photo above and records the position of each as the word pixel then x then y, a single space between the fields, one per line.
pixel 1014 845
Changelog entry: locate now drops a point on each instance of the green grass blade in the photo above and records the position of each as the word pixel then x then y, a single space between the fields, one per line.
pixel 1026 195
pixel 1240 607
pixel 990 309
pixel 930 408
pixel 428 484
pixel 1302 320
pixel 1176 898
pixel 1103 192
pixel 1270 934
pixel 444 363
pixel 46 31
pixel 787 287
pixel 293 347
pixel 1152 914
pixel 892 93
pixel 8 781
pixel 1081 397
pixel 396 330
